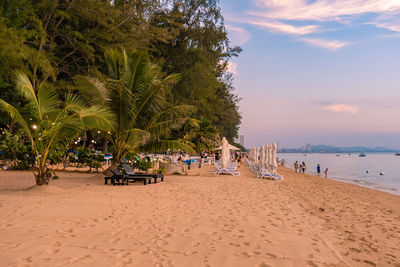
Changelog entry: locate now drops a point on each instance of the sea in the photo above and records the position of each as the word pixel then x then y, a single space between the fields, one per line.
pixel 380 171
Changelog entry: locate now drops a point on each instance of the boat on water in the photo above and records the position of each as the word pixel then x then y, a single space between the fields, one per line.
pixel 397 154
pixel 362 155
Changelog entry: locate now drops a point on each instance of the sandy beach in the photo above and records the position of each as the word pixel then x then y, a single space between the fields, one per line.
pixel 196 220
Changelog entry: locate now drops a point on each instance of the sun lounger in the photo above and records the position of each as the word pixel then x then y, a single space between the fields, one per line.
pixel 116 177
pixel 230 169
pixel 268 175
pixel 262 172
pixel 131 175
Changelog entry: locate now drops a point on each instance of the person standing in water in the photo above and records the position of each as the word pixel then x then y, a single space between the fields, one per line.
pixel 318 170
pixel 296 165
pixel 326 173
pixel 303 167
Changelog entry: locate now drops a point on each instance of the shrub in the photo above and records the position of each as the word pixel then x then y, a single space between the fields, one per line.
pixel 143 164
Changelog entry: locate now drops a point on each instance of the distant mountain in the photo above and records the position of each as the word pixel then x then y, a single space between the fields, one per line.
pixel 334 149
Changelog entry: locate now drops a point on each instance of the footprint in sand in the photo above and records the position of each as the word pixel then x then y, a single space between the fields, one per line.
pixel 311 263
pixel 271 255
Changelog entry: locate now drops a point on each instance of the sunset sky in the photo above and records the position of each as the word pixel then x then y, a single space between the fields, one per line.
pixel 319 72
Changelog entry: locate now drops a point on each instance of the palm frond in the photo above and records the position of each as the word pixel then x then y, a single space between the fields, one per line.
pixel 92 90
pixel 179 111
pixel 47 99
pixel 136 136
pixel 73 103
pixel 15 115
pixel 96 117
pixel 164 145
pixel 115 62
pixel 26 90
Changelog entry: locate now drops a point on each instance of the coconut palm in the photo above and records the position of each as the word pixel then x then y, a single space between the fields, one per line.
pixel 134 89
pixel 49 122
pixel 201 133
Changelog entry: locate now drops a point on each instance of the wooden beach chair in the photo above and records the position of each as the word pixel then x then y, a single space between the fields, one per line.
pixel 145 177
pixel 116 177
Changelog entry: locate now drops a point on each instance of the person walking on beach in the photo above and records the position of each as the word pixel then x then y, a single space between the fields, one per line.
pixel 326 173
pixel 318 170
pixel 296 165
pixel 303 167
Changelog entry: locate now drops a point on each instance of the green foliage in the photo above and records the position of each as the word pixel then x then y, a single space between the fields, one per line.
pixel 55 156
pixel 14 148
pixel 135 92
pixel 201 133
pixel 131 156
pixel 94 164
pixel 49 123
pixel 55 176
pixel 199 51
pixel 84 156
pixel 55 41
pixel 143 164
pixel 161 171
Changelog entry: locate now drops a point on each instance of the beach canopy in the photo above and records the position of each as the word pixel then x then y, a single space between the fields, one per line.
pixel 230 147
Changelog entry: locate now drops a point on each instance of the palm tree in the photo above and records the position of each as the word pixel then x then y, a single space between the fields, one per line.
pixel 201 133
pixel 134 89
pixel 49 122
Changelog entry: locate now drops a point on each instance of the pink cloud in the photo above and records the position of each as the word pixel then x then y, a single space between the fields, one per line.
pixel 342 108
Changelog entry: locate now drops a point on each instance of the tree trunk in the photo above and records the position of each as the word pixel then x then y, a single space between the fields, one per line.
pixel 42 176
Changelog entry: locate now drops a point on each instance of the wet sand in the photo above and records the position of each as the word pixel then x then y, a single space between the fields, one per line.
pixel 196 220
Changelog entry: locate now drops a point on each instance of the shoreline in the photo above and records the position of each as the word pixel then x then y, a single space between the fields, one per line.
pixel 197 219
pixel 392 191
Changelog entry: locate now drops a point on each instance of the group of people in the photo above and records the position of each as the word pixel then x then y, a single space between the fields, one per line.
pixel 301 168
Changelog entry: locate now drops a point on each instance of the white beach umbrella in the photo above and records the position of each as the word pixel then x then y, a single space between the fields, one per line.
pixel 262 156
pixel 265 163
pixel 257 154
pixel 225 153
pixel 269 156
pixel 274 162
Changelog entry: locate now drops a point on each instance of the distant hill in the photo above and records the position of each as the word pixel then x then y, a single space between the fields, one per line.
pixel 335 149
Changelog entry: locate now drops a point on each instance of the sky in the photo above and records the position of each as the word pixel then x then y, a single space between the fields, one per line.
pixel 317 71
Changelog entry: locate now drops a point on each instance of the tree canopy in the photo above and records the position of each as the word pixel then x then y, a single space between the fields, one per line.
pixel 53 41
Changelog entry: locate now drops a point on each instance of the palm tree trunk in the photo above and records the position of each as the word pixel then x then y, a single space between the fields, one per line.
pixel 43 175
